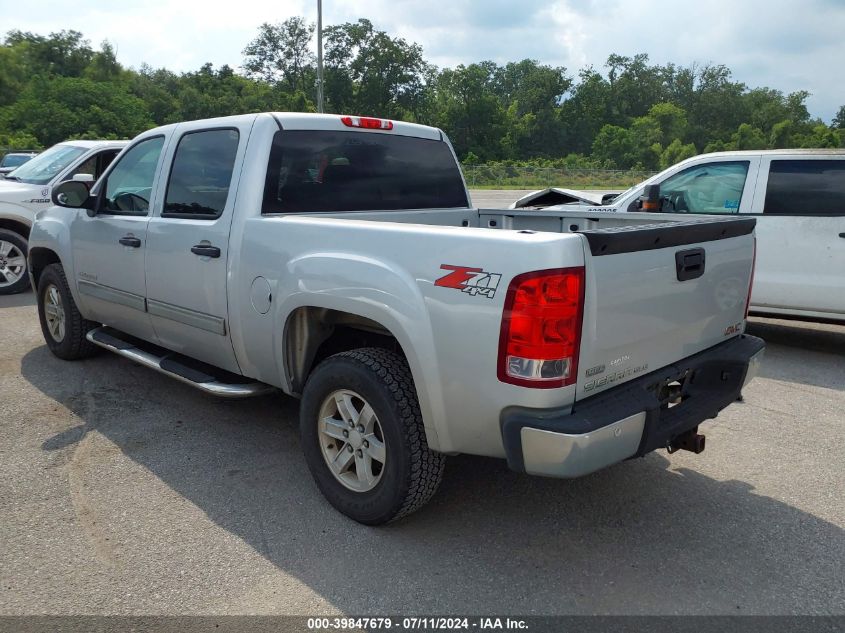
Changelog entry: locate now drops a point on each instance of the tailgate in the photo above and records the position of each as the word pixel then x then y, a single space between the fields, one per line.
pixel 656 294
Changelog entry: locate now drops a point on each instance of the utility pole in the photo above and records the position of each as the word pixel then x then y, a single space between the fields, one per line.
pixel 319 55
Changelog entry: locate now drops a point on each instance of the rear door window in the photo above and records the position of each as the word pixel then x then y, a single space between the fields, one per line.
pixel 708 188
pixel 312 171
pixel 806 187
pixel 201 174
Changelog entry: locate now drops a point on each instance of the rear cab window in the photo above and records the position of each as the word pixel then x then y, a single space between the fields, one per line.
pixel 806 187
pixel 329 171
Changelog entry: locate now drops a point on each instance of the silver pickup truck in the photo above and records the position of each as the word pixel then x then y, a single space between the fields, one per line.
pixel 338 259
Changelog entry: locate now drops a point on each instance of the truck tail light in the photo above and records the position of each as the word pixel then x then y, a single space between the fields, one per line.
pixel 366 122
pixel 541 328
pixel 751 281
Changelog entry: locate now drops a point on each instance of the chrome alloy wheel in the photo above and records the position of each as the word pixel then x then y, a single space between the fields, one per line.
pixel 351 440
pixel 12 264
pixel 54 313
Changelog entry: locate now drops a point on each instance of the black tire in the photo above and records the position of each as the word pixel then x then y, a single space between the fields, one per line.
pixel 73 345
pixel 411 473
pixel 20 243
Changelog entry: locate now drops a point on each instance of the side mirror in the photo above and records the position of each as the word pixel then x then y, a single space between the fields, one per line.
pixel 83 178
pixel 73 195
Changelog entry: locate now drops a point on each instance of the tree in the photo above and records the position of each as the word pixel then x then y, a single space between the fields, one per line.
pixel 369 72
pixel 646 144
pixel 613 146
pixel 635 89
pixel 104 65
pixel 671 121
pixel 781 136
pixel 748 137
pixel 13 77
pixel 676 152
pixel 282 53
pixel 531 93
pixel 66 53
pixel 839 119
pixel 713 103
pixel 58 108
pixel 469 111
pixel 629 113
pixel 821 136
pixel 533 86
pixel 583 114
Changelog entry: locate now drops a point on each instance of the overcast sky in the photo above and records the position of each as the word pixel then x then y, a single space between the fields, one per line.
pixel 782 44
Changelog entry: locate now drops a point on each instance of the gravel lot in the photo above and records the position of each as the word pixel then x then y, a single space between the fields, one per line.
pixel 125 492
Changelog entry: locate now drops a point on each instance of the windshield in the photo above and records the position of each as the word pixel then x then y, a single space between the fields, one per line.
pixel 44 167
pixel 14 160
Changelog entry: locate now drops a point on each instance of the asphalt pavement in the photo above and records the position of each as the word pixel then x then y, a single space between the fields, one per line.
pixel 125 492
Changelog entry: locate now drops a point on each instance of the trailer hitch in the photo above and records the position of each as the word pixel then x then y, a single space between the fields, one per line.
pixel 690 440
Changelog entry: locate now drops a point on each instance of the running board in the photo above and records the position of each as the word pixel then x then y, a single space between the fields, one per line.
pixel 204 377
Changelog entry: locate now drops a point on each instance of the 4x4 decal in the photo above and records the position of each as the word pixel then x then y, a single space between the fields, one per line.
pixel 474 281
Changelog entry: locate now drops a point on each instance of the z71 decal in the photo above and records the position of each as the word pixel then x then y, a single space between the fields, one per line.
pixel 474 281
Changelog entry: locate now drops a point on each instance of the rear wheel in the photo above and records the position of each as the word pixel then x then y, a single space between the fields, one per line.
pixel 13 275
pixel 363 436
pixel 63 326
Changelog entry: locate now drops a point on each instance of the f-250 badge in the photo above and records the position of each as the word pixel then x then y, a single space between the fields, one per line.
pixel 474 281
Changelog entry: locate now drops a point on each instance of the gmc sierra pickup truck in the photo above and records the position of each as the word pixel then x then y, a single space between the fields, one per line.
pixel 26 190
pixel 797 197
pixel 338 259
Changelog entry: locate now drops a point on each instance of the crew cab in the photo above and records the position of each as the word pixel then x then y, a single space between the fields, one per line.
pixel 338 259
pixel 26 190
pixel 797 197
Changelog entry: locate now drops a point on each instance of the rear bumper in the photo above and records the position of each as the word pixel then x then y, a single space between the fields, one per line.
pixel 631 419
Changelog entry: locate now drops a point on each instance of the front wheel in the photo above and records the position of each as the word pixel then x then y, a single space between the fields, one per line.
pixel 63 326
pixel 13 275
pixel 363 437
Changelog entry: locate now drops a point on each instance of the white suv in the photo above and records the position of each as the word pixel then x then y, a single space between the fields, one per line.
pixel 27 190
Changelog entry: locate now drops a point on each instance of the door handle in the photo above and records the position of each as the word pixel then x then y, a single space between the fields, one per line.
pixel 128 240
pixel 689 264
pixel 204 250
pixel 842 235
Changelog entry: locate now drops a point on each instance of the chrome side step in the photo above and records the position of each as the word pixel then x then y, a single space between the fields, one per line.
pixel 199 375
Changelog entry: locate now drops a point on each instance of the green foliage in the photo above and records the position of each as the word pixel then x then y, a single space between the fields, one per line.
pixel 671 120
pixel 581 174
pixel 676 152
pixel 53 109
pixel 629 115
pixel 464 104
pixel 839 119
pixel 282 53
pixel 822 136
pixel 19 141
pixel 369 72
pixel 748 137
pixel 613 145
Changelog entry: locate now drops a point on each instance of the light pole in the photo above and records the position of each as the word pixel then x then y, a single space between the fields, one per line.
pixel 319 55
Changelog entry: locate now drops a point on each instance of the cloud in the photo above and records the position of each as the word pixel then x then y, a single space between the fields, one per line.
pixel 774 43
